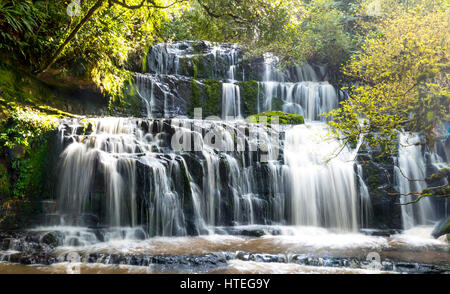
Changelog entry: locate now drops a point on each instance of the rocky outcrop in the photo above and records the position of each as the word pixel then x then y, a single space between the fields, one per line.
pixel 379 178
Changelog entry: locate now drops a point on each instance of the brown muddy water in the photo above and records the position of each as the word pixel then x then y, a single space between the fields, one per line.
pixel 405 252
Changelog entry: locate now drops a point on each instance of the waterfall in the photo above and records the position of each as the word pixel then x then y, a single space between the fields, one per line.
pixel 323 190
pixel 300 93
pixel 170 176
pixel 231 101
pixel 128 172
pixel 365 202
pixel 300 90
pixel 146 86
pixel 410 174
pixel 231 96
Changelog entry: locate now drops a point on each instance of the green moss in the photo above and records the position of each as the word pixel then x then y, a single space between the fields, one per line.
pixel 18 88
pixel 213 97
pixel 441 228
pixel 22 88
pixel 194 67
pixel 199 46
pixel 249 97
pixel 207 96
pixel 195 98
pixel 127 104
pixel 284 118
pixel 199 70
pixel 4 181
pixel 440 174
pixel 373 181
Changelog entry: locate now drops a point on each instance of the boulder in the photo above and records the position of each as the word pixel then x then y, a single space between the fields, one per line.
pixel 441 228
pixel 445 238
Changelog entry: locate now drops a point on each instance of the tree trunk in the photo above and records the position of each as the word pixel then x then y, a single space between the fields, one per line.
pixel 72 35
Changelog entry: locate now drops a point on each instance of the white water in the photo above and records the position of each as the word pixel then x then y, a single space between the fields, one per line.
pixel 128 173
pixel 231 101
pixel 323 190
pixel 302 94
pixel 231 95
pixel 410 175
pixel 133 177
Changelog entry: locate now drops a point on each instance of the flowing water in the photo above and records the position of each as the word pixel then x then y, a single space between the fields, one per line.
pixel 410 173
pixel 245 198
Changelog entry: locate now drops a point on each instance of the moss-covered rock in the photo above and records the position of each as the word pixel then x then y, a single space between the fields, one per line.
pixel 201 66
pixel 128 104
pixel 441 228
pixel 284 118
pixel 207 95
pixel 48 94
pixel 194 102
pixel 249 97
pixel 213 97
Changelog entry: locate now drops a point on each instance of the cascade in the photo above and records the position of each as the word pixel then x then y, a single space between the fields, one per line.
pixel 410 172
pixel 299 93
pixel 322 194
pixel 231 96
pixel 300 90
pixel 128 172
pixel 231 101
pixel 168 176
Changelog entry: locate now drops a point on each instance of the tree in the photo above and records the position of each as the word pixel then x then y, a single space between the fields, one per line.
pixel 295 30
pixel 93 46
pixel 400 80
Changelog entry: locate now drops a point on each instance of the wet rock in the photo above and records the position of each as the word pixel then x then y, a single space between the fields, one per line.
pixel 441 228
pixel 167 262
pixel 445 238
pixel 53 239
pixel 380 232
pixel 6 243
pixel 268 257
pixel 387 265
pixel 379 177
pixel 242 255
pixel 89 220
pixel 250 232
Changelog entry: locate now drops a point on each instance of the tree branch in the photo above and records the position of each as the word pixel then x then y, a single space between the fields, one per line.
pixel 89 15
pixel 216 15
pixel 421 194
pixel 153 4
pixel 72 35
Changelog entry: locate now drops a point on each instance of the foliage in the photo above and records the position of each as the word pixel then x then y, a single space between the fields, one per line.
pixel 95 46
pixel 25 126
pixel 283 118
pixel 402 80
pixel 443 173
pixel 295 30
pixel 30 28
pixel 25 140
